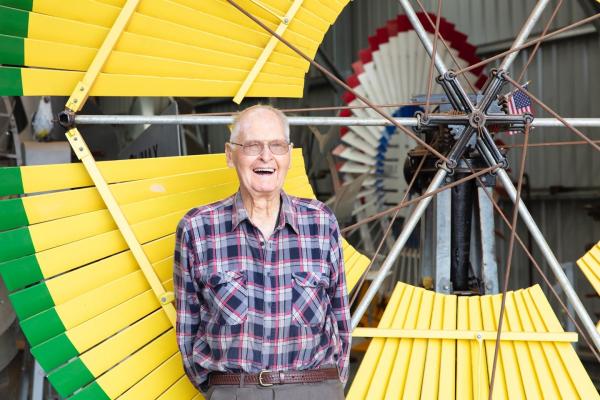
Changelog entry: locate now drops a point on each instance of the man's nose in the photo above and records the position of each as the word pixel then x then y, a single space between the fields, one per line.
pixel 265 152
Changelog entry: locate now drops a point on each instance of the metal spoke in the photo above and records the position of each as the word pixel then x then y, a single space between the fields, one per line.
pixel 538 44
pixel 433 55
pixel 439 35
pixel 209 119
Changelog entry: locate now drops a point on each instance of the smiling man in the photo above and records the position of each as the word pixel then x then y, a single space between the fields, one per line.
pixel 262 308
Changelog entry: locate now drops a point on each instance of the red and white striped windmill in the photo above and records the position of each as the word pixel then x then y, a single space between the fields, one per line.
pixel 392 70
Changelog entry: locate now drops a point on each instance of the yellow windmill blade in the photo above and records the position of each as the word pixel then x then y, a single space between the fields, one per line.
pixel 168 47
pixel 83 302
pixel 431 345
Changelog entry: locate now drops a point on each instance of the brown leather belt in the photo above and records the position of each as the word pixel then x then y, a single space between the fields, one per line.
pixel 270 378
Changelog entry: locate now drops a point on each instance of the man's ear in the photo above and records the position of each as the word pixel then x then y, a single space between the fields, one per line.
pixel 229 155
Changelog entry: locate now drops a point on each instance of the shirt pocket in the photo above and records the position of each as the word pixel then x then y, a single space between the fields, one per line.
pixel 228 297
pixel 309 298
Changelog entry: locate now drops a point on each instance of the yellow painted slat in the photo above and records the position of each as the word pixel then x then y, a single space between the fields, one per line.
pixel 41 53
pixel 41 178
pixel 160 380
pixel 560 376
pixel 490 323
pixel 91 303
pixel 464 377
pixel 80 252
pixel 447 385
pixel 38 82
pixel 514 381
pixel 112 351
pixel 166 30
pixel 582 383
pixel 360 267
pixel 542 369
pixel 139 190
pixel 65 258
pixel 94 302
pixel 68 286
pixel 415 373
pixel 126 374
pixel 478 357
pixel 531 384
pixel 95 330
pixel 590 266
pixel 401 365
pixel 185 16
pixel 72 255
pixel 370 362
pixel 350 258
pixel 78 10
pixel 380 382
pixel 225 11
pixel 54 206
pixel 431 379
pixel 44 236
pixel 104 15
pixel 181 390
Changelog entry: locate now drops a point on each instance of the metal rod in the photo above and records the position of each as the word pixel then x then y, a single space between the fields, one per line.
pixel 548 255
pixel 524 33
pixel 323 121
pixel 422 34
pixel 409 226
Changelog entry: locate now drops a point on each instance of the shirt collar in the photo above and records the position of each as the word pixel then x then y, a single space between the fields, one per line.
pixel 286 212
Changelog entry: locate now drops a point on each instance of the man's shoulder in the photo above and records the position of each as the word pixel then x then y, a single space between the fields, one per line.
pixel 305 205
pixel 207 210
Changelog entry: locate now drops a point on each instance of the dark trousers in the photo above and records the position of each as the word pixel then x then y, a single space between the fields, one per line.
pixel 326 390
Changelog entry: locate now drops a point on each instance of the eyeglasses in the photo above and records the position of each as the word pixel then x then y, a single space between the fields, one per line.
pixel 254 147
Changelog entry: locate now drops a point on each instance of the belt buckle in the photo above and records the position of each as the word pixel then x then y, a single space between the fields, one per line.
pixel 260 379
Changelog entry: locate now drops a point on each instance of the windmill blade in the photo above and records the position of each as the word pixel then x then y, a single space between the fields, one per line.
pixel 169 47
pixel 392 70
pixel 61 253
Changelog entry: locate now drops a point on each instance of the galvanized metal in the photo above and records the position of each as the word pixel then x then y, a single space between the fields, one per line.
pixel 487 242
pixel 535 15
pixel 301 121
pixel 442 249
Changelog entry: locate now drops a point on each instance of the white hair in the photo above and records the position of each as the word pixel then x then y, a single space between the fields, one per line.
pixel 240 118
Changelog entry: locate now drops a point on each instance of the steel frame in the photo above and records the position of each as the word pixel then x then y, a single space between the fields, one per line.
pixel 492 155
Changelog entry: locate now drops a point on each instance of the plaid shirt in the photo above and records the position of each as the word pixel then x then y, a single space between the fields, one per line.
pixel 245 304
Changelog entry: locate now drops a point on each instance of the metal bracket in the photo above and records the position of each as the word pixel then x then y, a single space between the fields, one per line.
pixel 465 335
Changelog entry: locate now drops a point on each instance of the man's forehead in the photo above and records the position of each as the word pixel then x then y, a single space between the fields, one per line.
pixel 262 121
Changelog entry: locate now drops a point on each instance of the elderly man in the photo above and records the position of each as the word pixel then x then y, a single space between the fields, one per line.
pixel 262 308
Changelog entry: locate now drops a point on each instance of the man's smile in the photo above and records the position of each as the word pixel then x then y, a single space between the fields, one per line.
pixel 264 171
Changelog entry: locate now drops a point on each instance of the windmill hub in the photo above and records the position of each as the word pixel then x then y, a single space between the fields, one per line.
pixel 477 119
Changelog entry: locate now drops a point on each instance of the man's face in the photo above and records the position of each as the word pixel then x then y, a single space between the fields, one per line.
pixel 264 173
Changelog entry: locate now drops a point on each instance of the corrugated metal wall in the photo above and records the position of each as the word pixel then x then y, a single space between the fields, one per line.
pixel 563 74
